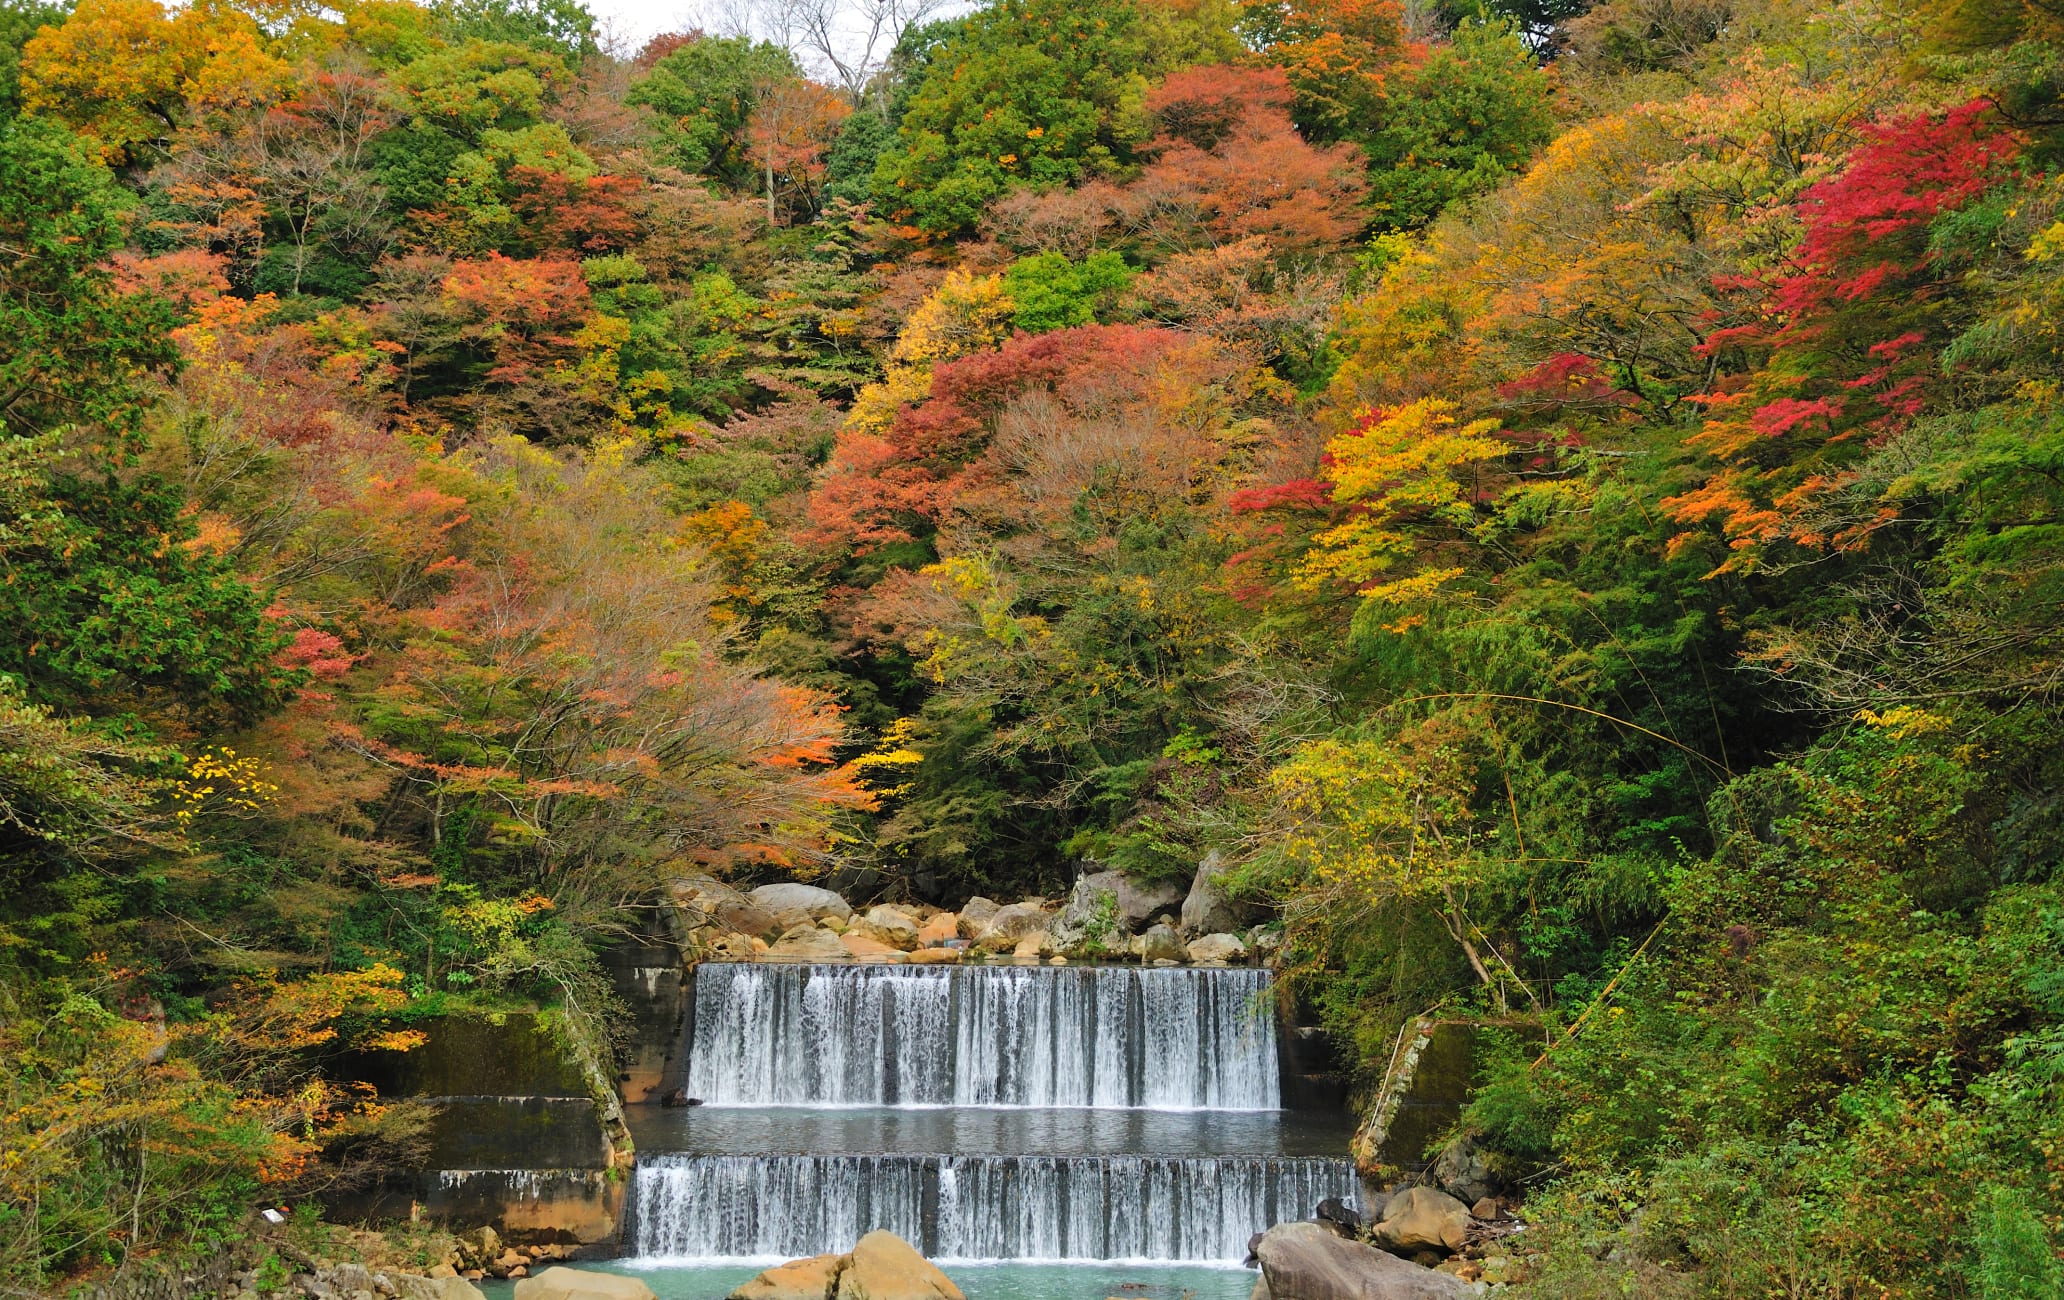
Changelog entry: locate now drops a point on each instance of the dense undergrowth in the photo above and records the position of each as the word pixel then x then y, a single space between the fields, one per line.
pixel 1564 499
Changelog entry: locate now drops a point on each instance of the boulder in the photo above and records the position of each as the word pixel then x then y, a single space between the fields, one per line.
pixel 894 926
pixel 719 905
pixel 1216 949
pixel 729 947
pixel 807 943
pixel 1160 943
pixel 478 1248
pixel 1031 948
pixel 975 916
pixel 809 898
pixel 1011 924
pixel 883 1266
pixel 1309 1261
pixel 1464 1170
pixel 561 1283
pixel 939 931
pixel 933 957
pixel 1106 906
pixel 799 1279
pixel 744 917
pixel 864 948
pixel 1206 909
pixel 342 1281
pixel 1420 1218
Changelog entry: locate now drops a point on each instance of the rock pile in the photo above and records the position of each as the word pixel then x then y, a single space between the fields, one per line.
pixel 1107 916
pixel 355 1282
pixel 1420 1244
pixel 482 1253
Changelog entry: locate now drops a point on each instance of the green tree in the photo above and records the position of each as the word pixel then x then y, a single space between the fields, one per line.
pixel 704 93
pixel 105 602
pixel 72 350
pixel 480 86
pixel 562 27
pixel 1049 292
pixel 849 163
pixel 1038 92
pixel 19 20
pixel 1457 124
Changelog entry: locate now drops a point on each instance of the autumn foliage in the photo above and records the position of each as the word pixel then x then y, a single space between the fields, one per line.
pixel 1554 506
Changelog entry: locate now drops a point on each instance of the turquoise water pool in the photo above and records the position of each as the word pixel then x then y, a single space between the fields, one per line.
pixel 978 1281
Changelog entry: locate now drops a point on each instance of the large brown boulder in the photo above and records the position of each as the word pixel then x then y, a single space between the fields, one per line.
pixel 1010 924
pixel 807 943
pixel 1419 1218
pixel 1216 949
pixel 883 1266
pixel 890 925
pixel 1310 1261
pixel 1160 943
pixel 975 916
pixel 580 1284
pixel 865 947
pixel 799 1279
pixel 710 901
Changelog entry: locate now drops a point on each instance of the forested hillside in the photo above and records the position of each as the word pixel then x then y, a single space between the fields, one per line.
pixel 1567 501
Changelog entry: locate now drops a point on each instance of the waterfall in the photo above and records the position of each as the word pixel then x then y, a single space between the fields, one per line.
pixel 1105 1037
pixel 1125 1207
pixel 1066 1066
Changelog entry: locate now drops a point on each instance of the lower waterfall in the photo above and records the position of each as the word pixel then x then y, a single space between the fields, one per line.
pixel 1078 1208
pixel 1164 1038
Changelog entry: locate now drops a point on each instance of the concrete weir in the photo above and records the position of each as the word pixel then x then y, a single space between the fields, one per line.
pixel 518 1141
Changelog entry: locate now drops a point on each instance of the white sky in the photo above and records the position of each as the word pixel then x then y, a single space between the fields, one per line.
pixel 636 21
pixel 628 24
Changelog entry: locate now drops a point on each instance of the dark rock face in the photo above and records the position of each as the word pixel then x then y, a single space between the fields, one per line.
pixel 1309 1261
pixel 1466 1171
pixel 508 1054
pixel 1333 1211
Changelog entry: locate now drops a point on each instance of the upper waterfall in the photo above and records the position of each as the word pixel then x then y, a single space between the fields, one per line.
pixel 1104 1037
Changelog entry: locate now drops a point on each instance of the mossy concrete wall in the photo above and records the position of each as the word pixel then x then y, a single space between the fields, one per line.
pixel 520 1140
pixel 1424 1091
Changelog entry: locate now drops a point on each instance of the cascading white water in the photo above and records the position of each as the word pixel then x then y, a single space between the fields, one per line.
pixel 1105 1037
pixel 975 1207
pixel 1127 1041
